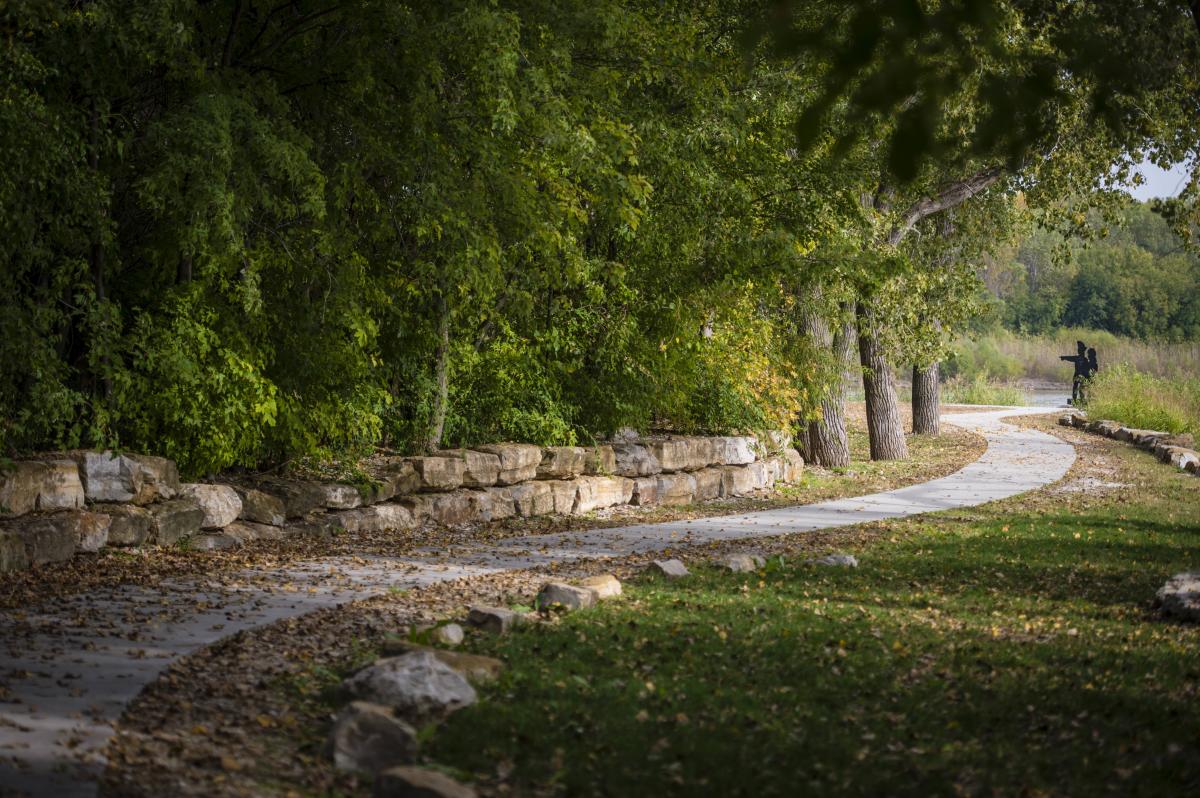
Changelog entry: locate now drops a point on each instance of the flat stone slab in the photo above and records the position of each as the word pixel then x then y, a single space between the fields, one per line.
pixel 103 671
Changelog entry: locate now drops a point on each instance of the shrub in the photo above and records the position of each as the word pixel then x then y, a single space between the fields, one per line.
pixel 1144 401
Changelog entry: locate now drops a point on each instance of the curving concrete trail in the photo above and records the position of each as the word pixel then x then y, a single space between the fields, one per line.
pixel 68 668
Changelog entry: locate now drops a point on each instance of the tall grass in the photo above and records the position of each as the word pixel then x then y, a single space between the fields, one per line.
pixel 982 390
pixel 1009 356
pixel 1145 401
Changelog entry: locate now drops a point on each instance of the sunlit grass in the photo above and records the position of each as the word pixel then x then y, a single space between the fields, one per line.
pixel 1145 402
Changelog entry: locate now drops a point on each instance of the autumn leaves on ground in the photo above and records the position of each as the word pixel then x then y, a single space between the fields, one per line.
pixel 1010 649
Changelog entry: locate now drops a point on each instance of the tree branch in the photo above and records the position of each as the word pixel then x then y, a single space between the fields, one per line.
pixel 951 196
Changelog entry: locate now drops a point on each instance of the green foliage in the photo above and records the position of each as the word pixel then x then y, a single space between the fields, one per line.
pixel 982 390
pixel 1143 401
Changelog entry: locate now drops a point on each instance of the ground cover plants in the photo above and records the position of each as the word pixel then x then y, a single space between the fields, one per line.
pixel 1144 401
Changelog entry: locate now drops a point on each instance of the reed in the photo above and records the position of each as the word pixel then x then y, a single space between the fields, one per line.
pixel 1145 401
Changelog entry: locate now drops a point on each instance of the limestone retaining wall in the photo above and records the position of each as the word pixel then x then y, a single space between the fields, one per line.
pixel 56 506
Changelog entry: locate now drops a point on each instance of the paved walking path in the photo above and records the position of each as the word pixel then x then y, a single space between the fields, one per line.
pixel 72 665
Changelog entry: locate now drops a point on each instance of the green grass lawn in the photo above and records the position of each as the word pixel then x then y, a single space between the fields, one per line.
pixel 1009 652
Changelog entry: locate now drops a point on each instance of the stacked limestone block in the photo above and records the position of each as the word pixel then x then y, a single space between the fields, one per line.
pixel 56 506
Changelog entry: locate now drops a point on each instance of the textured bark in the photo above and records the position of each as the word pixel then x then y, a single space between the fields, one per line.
pixel 926 399
pixel 825 440
pixel 884 427
pixel 441 368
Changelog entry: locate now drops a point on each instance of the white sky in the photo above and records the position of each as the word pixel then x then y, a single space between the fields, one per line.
pixel 1159 182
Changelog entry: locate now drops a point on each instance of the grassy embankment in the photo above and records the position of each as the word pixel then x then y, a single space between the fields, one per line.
pixel 1009 651
pixel 1146 402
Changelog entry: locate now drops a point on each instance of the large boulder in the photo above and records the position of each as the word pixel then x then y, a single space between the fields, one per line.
pixel 682 453
pixel 762 476
pixel 492 504
pixel 38 540
pixel 531 498
pixel 243 532
pixel 368 738
pixel 563 492
pixel 561 462
pixel 737 481
pixel 733 450
pixel 645 491
pixel 676 489
pixel 175 520
pixel 299 497
pixel 160 478
pixel 480 469
pixel 635 460
pixel 109 477
pixel 599 460
pixel 741 563
pixel 475 668
pixel 340 496
pixel 213 540
pixel 518 461
pixel 605 585
pixel 261 507
pixel 419 686
pixel 708 483
pixel 1177 456
pixel 20 485
pixel 568 597
pixel 129 525
pixel 393 476
pixel 1180 596
pixel 596 493
pixel 790 467
pixel 460 506
pixel 413 782
pixel 439 473
pixel 220 503
pixel 377 518
pixel 62 489
pixel 91 530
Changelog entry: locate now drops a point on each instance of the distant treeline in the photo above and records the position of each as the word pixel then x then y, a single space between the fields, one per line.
pixel 1134 278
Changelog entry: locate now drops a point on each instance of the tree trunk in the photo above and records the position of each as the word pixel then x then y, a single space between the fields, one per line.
pixel 825 442
pixel 926 399
pixel 441 396
pixel 884 427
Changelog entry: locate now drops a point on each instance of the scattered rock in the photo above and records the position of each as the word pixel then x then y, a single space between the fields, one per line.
pixel 569 597
pixel 497 620
pixel 741 563
pixel 1184 440
pixel 676 489
pixel 220 503
pixel 1180 596
pixel 837 560
pixel 671 569
pixel 596 493
pixel 129 525
pixel 369 738
pixel 475 668
pixel 439 473
pixel 20 487
pixel 410 782
pixel 175 520
pixel 480 469
pixel 605 585
pixel 518 461
pixel 418 685
pixel 562 462
pixel 634 460
pixel 62 489
pixel 450 634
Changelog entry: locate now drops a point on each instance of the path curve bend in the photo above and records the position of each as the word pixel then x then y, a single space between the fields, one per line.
pixel 70 666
